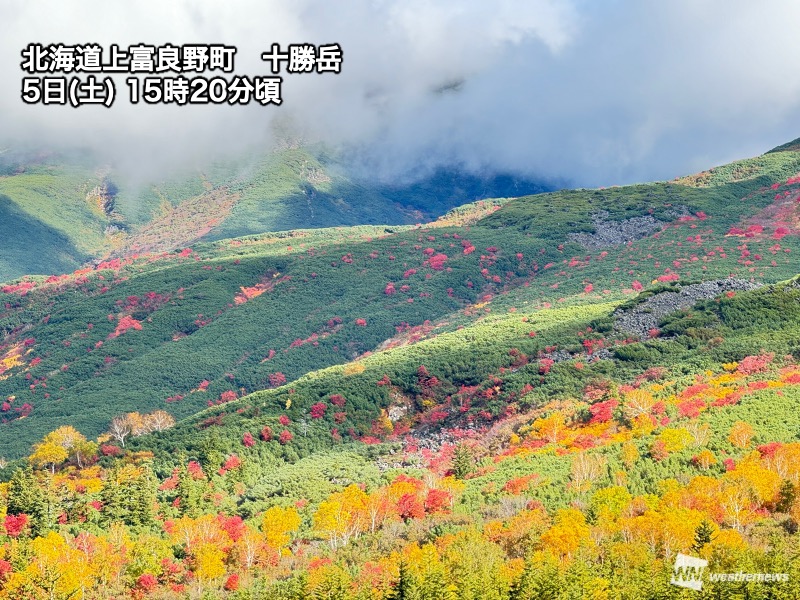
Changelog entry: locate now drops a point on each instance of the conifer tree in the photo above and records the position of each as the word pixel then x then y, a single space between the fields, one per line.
pixel 463 462
pixel 702 535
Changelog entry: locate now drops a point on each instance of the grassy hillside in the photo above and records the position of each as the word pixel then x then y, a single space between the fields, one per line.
pixel 134 334
pixel 527 398
pixel 78 209
pixel 542 475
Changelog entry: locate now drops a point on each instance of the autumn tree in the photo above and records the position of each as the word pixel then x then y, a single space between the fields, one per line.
pixel 586 470
pixel 48 454
pixel 120 428
pixel 637 402
pixel 342 516
pixel 73 442
pixel 741 434
pixel 159 420
pixel 629 454
pixel 278 525
pixel 551 428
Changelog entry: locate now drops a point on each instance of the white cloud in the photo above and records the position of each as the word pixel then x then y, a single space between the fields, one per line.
pixel 599 94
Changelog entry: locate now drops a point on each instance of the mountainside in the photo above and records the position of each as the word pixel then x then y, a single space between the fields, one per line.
pixel 79 210
pixel 530 397
pixel 86 346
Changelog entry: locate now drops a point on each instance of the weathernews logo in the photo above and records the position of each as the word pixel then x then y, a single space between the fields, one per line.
pixel 688 573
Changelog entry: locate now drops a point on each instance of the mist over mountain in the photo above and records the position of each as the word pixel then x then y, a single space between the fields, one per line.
pixel 509 309
pixel 595 95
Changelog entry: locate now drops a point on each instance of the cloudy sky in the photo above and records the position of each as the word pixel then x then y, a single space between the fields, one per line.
pixel 595 93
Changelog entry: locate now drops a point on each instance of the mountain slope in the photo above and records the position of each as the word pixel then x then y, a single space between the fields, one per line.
pixel 81 210
pixel 277 306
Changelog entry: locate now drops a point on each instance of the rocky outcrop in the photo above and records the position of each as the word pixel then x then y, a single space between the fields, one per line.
pixel 644 317
pixel 615 233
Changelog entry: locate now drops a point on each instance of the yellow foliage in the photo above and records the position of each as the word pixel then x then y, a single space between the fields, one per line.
pixel 278 524
pixel 54 570
pixel 675 439
pixel 551 428
pixel 741 434
pixel 706 458
pixel 729 539
pixel 567 534
pixel 754 477
pixel 724 378
pixel 637 402
pixel 208 562
pixel 353 368
pixel 48 454
pixel 642 426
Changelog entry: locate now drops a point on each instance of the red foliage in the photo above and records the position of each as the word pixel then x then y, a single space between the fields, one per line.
pixel 691 408
pixel 125 323
pixel 584 441
pixel 228 396
pixel 389 289
pixel 15 524
pixel 283 420
pixel 602 412
pixel 318 410
pixel 545 364
pixel 232 462
pixel 110 450
pixel 769 450
pixel 266 433
pixel 248 440
pixel 437 262
pixel 410 507
pixel 233 526
pixel 195 470
pixel 277 379
pixel 437 501
pixel 361 322
pixel 518 358
pixel 517 485
pixel 232 583
pixel 755 364
pixel 285 437
pixel 147 582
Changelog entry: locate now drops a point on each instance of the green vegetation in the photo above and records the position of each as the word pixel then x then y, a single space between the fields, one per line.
pixel 437 411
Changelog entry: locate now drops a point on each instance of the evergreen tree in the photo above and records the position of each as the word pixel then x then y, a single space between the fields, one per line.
pixel 23 492
pixel 142 494
pixel 407 587
pixel 335 585
pixel 702 535
pixel 27 495
pixel 191 491
pixel 786 496
pixel 537 582
pixel 463 461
